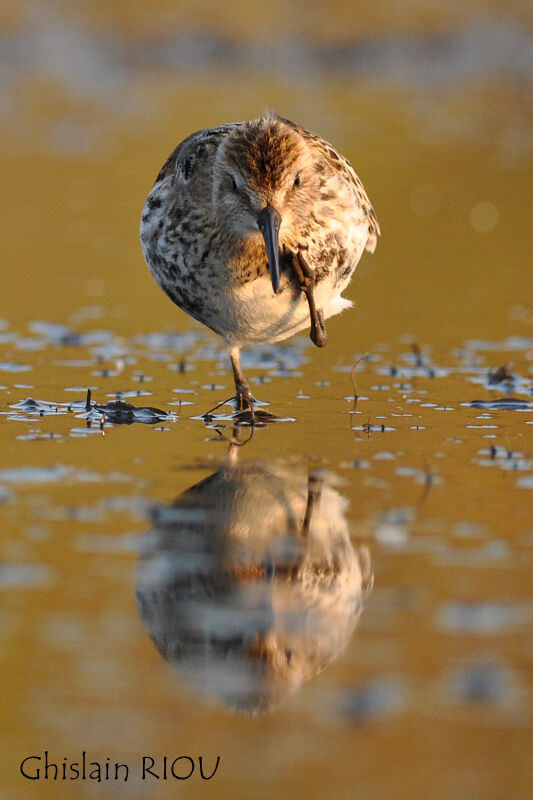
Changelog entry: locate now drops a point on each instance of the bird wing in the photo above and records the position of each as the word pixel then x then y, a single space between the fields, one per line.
pixel 340 166
pixel 193 151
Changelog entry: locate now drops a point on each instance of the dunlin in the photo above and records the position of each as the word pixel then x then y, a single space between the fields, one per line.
pixel 254 229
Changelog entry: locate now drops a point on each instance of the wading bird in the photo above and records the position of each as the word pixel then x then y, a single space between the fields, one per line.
pixel 255 229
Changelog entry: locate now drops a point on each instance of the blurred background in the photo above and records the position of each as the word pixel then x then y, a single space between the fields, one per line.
pixel 432 469
pixel 430 102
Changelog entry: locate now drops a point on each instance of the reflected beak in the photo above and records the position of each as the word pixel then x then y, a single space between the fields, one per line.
pixel 269 222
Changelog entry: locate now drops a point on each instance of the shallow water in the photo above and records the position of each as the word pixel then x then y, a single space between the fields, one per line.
pixel 432 489
pixel 338 604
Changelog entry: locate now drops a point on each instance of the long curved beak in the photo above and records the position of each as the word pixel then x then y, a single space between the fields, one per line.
pixel 269 222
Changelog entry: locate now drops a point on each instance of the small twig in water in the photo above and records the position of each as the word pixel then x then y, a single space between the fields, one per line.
pixel 500 375
pixel 352 375
pixel 207 416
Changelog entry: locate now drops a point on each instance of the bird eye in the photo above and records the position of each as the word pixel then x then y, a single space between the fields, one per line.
pixel 296 183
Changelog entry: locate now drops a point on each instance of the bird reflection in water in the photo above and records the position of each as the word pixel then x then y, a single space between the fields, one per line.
pixel 248 583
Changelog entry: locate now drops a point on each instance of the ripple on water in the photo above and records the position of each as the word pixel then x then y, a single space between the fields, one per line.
pixel 36 435
pixel 86 432
pixel 501 457
pixel 5 494
pixel 182 367
pixel 495 551
pixel 180 403
pixel 484 618
pixel 270 357
pixel 116 412
pixel 55 333
pixel 377 698
pixel 21 475
pixel 42 408
pixel 369 428
pixel 384 455
pixel 503 380
pixel 481 682
pixel 9 366
pixel 132 393
pixel 102 543
pixel 501 404
pixel 175 342
pixel 410 372
pixel 35 474
pixel 419 475
pixel 509 344
pixel 393 527
pixel 13 576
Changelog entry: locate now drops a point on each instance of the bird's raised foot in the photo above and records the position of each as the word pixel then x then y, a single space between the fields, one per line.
pixel 318 333
pixel 306 279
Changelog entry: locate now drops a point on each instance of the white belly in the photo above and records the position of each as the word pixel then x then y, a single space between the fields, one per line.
pixel 253 314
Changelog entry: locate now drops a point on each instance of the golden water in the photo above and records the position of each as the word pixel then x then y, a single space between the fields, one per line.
pixel 430 696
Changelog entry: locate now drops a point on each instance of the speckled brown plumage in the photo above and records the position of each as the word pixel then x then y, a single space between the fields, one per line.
pixel 203 230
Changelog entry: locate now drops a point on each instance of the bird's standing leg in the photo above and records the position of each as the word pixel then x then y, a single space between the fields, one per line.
pixel 306 280
pixel 244 395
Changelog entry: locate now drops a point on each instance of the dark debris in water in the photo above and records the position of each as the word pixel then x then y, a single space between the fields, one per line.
pixel 417 366
pixel 42 408
pixel 501 404
pixel 118 412
pixel 501 375
pixel 121 413
pixel 254 416
pixel 59 335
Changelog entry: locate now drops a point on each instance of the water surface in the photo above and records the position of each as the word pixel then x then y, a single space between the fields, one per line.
pixel 338 604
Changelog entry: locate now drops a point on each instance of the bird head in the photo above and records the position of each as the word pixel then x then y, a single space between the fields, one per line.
pixel 264 180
